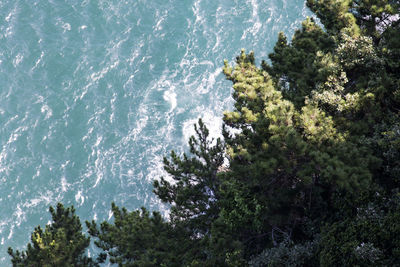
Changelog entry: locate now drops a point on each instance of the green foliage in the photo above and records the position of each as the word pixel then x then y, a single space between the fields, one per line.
pixel 313 129
pixel 335 16
pixel 285 163
pixel 287 254
pixel 60 244
pixel 138 239
pixel 368 239
pixel 376 16
pixel 193 192
pixel 295 67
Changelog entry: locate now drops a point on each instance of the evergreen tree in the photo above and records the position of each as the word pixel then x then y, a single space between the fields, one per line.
pixel 358 90
pixel 286 163
pixel 62 243
pixel 193 192
pixel 138 239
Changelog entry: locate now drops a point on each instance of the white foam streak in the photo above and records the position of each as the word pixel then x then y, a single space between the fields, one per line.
pixel 38 61
pixel 8 17
pixel 212 122
pixel 11 232
pixel 170 97
pixel 17 60
pixel 110 214
pixel 196 11
pixel 45 197
pixel 79 198
pixel 99 75
pixel 64 184
pixel 47 111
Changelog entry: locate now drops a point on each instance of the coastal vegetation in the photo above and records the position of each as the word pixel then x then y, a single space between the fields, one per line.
pixel 307 172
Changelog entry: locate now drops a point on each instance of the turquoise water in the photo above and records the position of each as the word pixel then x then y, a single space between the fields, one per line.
pixel 94 93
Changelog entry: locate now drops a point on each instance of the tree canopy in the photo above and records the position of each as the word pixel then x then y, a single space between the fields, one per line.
pixel 62 243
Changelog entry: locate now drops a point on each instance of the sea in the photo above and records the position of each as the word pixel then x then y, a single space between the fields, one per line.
pixel 94 93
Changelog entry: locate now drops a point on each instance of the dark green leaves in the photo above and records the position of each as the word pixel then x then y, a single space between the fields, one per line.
pixel 62 243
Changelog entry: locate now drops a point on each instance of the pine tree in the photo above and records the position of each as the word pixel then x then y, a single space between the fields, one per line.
pixel 62 243
pixel 286 163
pixel 193 192
pixel 138 239
pixel 356 87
